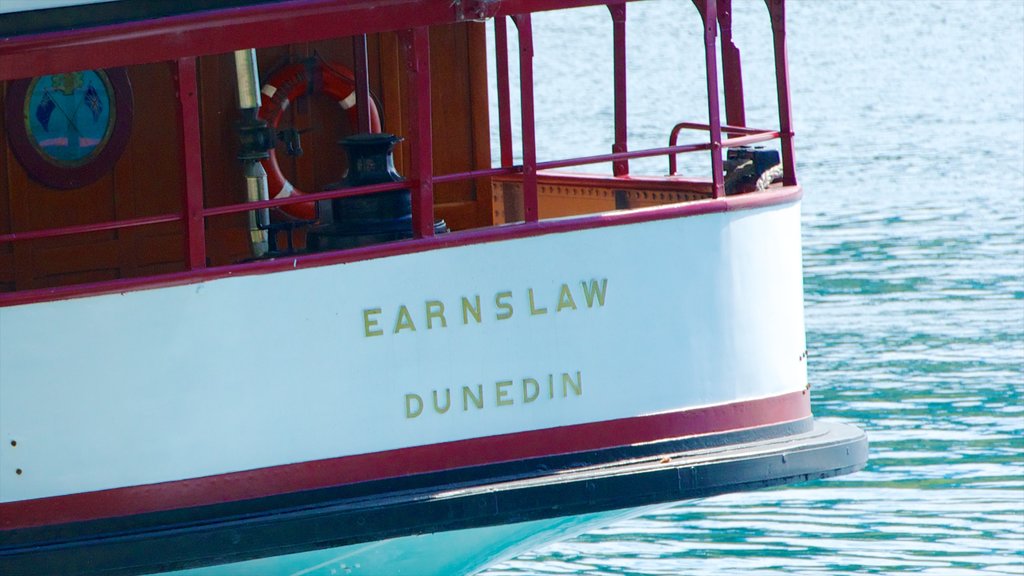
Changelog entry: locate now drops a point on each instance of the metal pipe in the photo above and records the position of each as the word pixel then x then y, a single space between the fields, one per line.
pixel 504 92
pixel 247 76
pixel 361 69
pixel 255 191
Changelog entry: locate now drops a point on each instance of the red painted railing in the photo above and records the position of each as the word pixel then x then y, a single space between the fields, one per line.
pixel 749 136
pixel 182 39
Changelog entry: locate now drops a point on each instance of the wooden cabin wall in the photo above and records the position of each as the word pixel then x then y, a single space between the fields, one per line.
pixel 147 179
pixel 461 132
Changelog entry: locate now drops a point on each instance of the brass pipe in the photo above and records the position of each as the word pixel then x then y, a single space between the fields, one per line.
pixel 246 75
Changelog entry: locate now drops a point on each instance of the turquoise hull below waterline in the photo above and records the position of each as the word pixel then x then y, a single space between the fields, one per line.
pixel 456 552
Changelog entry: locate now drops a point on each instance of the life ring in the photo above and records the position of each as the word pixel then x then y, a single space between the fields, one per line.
pixel 287 85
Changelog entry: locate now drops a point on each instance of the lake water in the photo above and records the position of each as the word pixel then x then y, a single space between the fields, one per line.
pixel 910 145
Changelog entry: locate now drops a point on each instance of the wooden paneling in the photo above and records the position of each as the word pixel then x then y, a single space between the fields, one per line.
pixel 222 172
pixel 147 180
pixel 566 194
pixel 460 122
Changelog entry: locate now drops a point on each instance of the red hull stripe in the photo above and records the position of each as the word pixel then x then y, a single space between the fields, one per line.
pixel 289 478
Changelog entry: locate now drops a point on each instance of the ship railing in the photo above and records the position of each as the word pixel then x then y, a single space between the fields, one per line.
pixel 139 43
pixel 747 137
pixel 744 137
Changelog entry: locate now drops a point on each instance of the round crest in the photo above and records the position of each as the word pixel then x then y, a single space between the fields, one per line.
pixel 68 130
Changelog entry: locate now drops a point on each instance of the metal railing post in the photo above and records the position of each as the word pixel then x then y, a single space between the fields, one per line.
pixel 709 12
pixel 191 163
pixel 504 97
pixel 416 44
pixel 530 201
pixel 732 71
pixel 618 12
pixel 777 11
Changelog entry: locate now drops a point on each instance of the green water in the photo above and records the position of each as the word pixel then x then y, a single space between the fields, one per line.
pixel 910 136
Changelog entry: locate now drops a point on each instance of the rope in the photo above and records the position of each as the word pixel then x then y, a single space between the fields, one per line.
pixel 770 175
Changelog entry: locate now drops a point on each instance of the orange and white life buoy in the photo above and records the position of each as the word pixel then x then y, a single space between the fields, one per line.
pixel 287 85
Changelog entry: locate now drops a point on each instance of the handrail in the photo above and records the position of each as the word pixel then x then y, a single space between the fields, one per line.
pixel 313 197
pixel 751 136
pixel 87 228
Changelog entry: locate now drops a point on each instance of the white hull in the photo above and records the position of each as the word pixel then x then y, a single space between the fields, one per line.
pixel 259 371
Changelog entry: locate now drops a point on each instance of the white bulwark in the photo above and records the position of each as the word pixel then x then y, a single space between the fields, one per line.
pixel 243 373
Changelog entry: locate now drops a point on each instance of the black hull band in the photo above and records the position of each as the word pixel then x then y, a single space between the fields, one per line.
pixel 551 487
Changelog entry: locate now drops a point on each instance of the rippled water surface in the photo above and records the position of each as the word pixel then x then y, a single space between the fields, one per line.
pixel 910 146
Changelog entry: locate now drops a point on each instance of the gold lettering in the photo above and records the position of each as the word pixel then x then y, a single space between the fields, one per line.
pixel 534 311
pixel 592 291
pixel 435 309
pixel 565 299
pixel 504 397
pixel 529 383
pixel 577 386
pixel 404 320
pixel 506 306
pixel 447 401
pixel 474 396
pixel 409 411
pixel 468 310
pixel 370 323
pixel 478 398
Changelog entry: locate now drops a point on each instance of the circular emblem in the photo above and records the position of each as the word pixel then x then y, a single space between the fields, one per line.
pixel 69 129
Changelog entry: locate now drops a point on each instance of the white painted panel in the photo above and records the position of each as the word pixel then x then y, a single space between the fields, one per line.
pixel 242 373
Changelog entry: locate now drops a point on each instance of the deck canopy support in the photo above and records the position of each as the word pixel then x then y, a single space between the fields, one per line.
pixel 524 25
pixel 732 73
pixel 504 98
pixel 191 163
pixel 416 45
pixel 709 12
pixel 777 11
pixel 618 12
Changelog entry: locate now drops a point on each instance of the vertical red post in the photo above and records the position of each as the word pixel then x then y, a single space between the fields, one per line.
pixel 777 10
pixel 504 104
pixel 732 72
pixel 191 163
pixel 416 44
pixel 709 11
pixel 619 167
pixel 362 72
pixel 530 203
